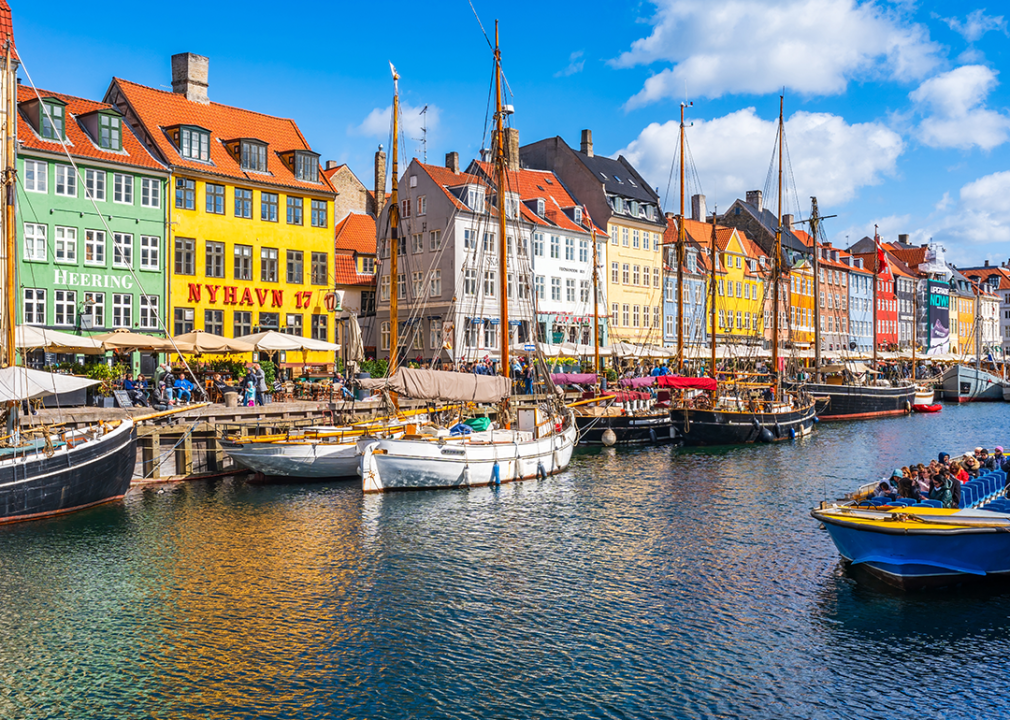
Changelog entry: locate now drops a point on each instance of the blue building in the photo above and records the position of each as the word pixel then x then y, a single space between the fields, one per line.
pixel 860 306
pixel 695 285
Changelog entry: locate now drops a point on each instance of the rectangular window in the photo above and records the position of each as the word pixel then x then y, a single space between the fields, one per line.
pixel 243 262
pixel 569 248
pixel 66 181
pixel 242 323
pixel 36 176
pixel 307 167
pixel 34 307
pixel 584 291
pixel 215 259
pixel 65 245
pixel 435 283
pixel 94 247
pixel 319 213
pixel 538 283
pixel 613 312
pixel 35 242
pixel 109 132
pixel 417 283
pixel 555 289
pixel 634 239
pixel 122 310
pixel 213 321
pixel 625 273
pixel 295 266
pixel 614 273
pixel 634 315
pixel 268 207
pixel 215 199
pixel 270 321
pixel 185 194
pixel 624 237
pixel 490 246
pixel 625 315
pixel 384 336
pixel 243 203
pixel 294 210
pixel 655 277
pixel 65 305
pixel 185 256
pixel 254 156
pixel 569 290
pixel 320 268
pixel 656 312
pixel 122 189
pixel 435 334
pixel 183 320
pixel 384 288
pixel 268 264
pixel 321 327
pixel 490 282
pixel 538 244
pixel 194 144
pixel 93 312
pixel 53 121
pixel 368 266
pixel 555 246
pixel 150 193
pixel 149 312
pixel 422 205
pixel 669 325
pixel 435 240
pixel 417 243
pixel 635 274
pixel 583 251
pixel 122 250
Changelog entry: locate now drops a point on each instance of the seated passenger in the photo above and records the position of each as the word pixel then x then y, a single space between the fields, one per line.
pixel 959 472
pixel 908 489
pixel 941 489
pixel 972 466
pixel 885 491
pixel 986 460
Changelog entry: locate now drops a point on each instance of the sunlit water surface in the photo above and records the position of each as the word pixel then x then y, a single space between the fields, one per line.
pixel 656 583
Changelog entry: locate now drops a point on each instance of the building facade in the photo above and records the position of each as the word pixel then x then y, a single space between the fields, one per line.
pixel 995 280
pixel 92 240
pixel 696 275
pixel 860 307
pixel 250 213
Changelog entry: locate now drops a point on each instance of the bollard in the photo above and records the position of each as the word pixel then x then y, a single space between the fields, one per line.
pixel 184 457
pixel 149 446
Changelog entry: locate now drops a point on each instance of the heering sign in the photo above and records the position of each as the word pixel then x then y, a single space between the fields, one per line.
pixel 69 278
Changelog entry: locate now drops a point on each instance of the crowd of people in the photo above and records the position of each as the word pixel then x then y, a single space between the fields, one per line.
pixel 942 478
pixel 170 388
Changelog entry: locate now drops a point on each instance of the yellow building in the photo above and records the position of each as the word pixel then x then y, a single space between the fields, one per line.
pixel 740 301
pixel 962 320
pixel 250 242
pixel 801 304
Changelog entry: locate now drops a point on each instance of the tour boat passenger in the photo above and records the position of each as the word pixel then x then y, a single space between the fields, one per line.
pixel 943 489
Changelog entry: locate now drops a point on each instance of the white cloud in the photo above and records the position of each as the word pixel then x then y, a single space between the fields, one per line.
pixel 888 227
pixel 955 112
pixel 976 24
pixel 378 125
pixel 751 46
pixel 575 65
pixel 830 158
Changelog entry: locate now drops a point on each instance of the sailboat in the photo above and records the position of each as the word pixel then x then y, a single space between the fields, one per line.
pixel 531 440
pixel 49 471
pixel 966 383
pixel 739 416
pixel 850 390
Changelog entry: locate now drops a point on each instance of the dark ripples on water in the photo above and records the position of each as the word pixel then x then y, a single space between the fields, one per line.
pixel 654 583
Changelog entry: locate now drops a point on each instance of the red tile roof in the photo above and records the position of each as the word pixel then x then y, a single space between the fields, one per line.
pixel 986 273
pixel 160 109
pixel 345 272
pixel 357 233
pixel 446 178
pixel 913 257
pixel 7 29
pixel 79 144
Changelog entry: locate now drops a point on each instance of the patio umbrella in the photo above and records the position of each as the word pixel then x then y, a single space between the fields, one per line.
pixel 28 337
pixel 200 341
pixel 123 339
pixel 272 341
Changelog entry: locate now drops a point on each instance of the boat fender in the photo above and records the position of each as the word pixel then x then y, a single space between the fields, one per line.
pixel 792 433
pixel 466 476
pixel 764 434
pixel 495 475
pixel 816 419
pixel 908 406
pixel 541 473
pixel 609 437
pixel 652 434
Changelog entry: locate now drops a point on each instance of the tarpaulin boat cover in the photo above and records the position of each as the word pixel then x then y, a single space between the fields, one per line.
pixel 629 395
pixel 21 383
pixel 686 383
pixel 443 385
pixel 574 378
pixel 637 382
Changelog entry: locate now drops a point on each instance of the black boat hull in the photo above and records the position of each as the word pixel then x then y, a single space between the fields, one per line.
pixel 858 402
pixel 654 429
pixel 94 472
pixel 720 427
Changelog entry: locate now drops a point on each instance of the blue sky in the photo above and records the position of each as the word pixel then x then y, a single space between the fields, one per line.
pixel 896 111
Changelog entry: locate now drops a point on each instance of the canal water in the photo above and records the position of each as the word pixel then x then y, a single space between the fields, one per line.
pixel 653 583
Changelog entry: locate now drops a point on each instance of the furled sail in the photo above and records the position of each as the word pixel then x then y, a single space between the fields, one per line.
pixel 21 383
pixel 442 385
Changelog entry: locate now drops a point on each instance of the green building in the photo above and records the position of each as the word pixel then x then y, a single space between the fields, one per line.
pixel 92 239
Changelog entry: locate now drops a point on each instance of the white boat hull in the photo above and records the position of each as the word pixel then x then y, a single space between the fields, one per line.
pixel 312 460
pixel 470 461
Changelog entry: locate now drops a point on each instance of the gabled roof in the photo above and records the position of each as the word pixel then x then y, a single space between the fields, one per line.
pixel 912 257
pixel 7 29
pixel 700 234
pixel 446 178
pixel 987 274
pixel 158 110
pixel 769 221
pixel 356 233
pixel 619 177
pixel 79 143
pixel 345 272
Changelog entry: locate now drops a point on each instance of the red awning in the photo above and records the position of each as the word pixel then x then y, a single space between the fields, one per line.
pixel 686 383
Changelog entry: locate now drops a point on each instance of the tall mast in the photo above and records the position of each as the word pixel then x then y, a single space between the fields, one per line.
pixel 681 235
pixel 876 280
pixel 814 227
pixel 8 356
pixel 499 118
pixel 777 261
pixel 915 320
pixel 978 327
pixel 596 299
pixel 711 293
pixel 394 225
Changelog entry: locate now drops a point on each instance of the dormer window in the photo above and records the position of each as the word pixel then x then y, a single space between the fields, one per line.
pixel 618 204
pixel 578 216
pixel 650 212
pixel 194 143
pixel 511 205
pixel 474 198
pixel 110 132
pixel 633 208
pixel 307 166
pixel 53 119
pixel 254 156
pixel 541 207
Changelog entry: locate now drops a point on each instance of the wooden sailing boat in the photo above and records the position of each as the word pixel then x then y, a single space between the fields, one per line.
pixel 48 473
pixel 738 414
pixel 530 441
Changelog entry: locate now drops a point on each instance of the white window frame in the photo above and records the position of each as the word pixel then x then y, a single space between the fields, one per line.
pixel 150 193
pixel 150 252
pixel 94 239
pixel 66 178
pixel 435 334
pixel 94 184
pixel 122 248
pixel 37 303
pixel 37 180
pixel 123 309
pixel 65 304
pixel 96 308
pixel 65 242
pixel 435 283
pixel 35 241
pixel 122 187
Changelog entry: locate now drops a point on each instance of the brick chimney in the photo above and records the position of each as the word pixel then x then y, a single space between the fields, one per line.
pixel 189 77
pixel 787 222
pixel 452 162
pixel 512 148
pixel 754 198
pixel 380 181
pixel 903 239
pixel 987 263
pixel 332 164
pixel 587 142
pixel 698 208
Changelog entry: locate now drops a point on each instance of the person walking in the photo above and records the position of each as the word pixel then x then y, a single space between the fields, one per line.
pixel 260 380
